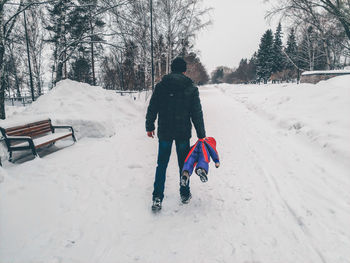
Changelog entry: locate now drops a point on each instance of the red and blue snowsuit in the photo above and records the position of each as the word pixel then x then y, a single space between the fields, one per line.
pixel 200 154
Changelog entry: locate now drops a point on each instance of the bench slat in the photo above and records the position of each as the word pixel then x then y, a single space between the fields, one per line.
pixel 45 140
pixel 31 130
pixel 53 140
pixel 28 125
pixel 39 128
pixel 41 132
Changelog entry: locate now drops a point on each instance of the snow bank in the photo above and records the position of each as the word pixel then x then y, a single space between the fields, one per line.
pixel 13 110
pixel 320 112
pixel 92 111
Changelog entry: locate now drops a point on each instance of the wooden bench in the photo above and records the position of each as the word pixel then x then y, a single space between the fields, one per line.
pixel 31 136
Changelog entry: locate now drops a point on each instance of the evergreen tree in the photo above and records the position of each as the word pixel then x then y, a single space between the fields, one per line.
pixel 278 56
pixel 217 75
pixel 252 67
pixel 75 29
pixel 242 71
pixel 265 60
pixel 86 26
pixel 58 27
pixel 81 70
pixel 129 65
pixel 291 51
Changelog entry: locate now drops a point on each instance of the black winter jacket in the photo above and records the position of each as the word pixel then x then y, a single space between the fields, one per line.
pixel 176 102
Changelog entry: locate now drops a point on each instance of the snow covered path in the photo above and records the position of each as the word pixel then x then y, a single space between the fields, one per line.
pixel 276 199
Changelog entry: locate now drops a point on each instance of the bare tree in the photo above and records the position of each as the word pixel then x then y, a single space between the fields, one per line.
pixel 179 21
pixel 174 21
pixel 327 18
pixel 9 12
pixel 7 23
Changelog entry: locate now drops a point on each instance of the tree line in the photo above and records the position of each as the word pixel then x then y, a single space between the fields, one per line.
pixel 100 42
pixel 318 39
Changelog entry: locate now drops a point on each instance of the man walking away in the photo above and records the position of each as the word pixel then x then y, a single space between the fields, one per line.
pixel 176 102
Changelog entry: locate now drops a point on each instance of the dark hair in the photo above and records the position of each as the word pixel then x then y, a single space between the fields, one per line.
pixel 179 65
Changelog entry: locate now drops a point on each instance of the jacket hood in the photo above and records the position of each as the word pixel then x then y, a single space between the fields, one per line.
pixel 176 82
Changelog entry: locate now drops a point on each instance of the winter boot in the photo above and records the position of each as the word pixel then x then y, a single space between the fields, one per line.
pixel 157 204
pixel 202 175
pixel 185 199
pixel 185 178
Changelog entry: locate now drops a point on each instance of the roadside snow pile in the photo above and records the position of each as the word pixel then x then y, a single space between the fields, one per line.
pixel 13 110
pixel 92 111
pixel 320 112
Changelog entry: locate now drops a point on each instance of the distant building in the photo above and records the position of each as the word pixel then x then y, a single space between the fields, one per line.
pixel 318 75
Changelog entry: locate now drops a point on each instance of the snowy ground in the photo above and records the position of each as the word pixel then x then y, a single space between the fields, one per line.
pixel 281 195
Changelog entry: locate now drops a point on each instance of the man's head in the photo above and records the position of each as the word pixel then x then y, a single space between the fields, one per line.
pixel 178 65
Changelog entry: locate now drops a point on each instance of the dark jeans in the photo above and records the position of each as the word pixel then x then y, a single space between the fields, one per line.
pixel 182 149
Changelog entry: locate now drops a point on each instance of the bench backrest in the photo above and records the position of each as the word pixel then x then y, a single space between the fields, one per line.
pixel 33 129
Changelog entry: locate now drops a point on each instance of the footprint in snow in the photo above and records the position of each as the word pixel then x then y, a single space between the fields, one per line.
pixel 134 166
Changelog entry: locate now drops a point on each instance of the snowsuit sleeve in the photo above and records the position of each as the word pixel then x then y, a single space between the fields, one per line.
pixel 153 109
pixel 197 115
pixel 213 153
pixel 191 159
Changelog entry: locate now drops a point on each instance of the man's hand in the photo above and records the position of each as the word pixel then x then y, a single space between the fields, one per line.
pixel 150 134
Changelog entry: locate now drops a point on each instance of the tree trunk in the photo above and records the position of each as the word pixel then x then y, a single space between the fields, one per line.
pixel 2 66
pixel 159 67
pixel 93 65
pixel 169 38
pixel 18 91
pixel 326 52
pixel 28 57
pixel 59 70
pixel 92 51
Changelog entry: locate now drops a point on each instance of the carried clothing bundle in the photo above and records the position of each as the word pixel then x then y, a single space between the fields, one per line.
pixel 199 158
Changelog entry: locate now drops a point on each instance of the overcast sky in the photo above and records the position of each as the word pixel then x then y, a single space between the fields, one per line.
pixel 235 33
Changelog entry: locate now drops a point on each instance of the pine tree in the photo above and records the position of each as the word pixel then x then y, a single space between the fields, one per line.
pixel 252 67
pixel 217 75
pixel 265 60
pixel 129 66
pixel 291 51
pixel 278 56
pixel 81 70
pixel 242 71
pixel 86 26
pixel 58 28
pixel 75 29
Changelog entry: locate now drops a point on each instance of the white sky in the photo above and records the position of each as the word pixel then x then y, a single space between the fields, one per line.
pixel 235 33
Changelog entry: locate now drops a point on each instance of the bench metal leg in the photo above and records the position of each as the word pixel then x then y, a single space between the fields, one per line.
pixel 10 156
pixel 74 139
pixel 31 144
